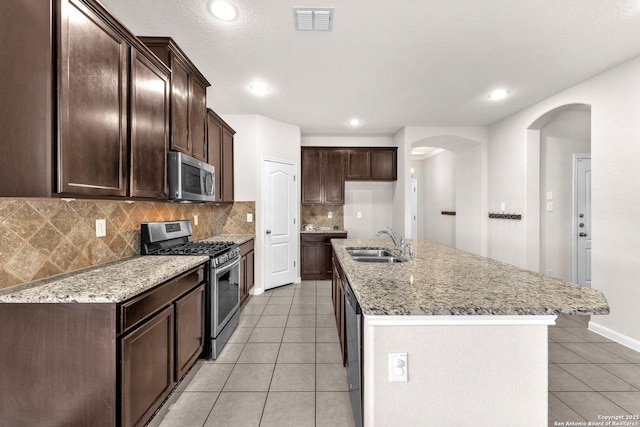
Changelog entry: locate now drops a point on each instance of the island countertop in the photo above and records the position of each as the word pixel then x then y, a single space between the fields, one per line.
pixel 112 282
pixel 445 281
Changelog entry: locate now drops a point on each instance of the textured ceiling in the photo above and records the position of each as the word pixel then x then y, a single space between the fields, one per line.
pixel 393 63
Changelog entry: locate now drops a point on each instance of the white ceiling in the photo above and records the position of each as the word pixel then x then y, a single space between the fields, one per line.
pixel 393 63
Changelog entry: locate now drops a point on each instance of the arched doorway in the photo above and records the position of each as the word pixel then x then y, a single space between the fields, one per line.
pixel 554 140
pixel 449 180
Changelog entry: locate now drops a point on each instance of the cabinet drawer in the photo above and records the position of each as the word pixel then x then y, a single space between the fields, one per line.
pixel 136 310
pixel 321 237
pixel 246 247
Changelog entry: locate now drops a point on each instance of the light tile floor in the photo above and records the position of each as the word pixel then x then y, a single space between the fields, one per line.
pixel 282 367
pixel 590 376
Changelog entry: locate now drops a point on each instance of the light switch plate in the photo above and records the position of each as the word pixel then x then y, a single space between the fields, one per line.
pixel 101 227
pixel 549 206
pixel 330 215
pixel 358 215
pixel 249 217
pixel 195 220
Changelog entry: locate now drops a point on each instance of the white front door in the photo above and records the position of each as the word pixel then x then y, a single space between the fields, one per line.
pixel 582 219
pixel 280 212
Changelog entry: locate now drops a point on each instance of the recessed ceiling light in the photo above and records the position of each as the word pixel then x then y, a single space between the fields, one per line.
pixel 259 88
pixel 223 10
pixel 354 123
pixel 498 94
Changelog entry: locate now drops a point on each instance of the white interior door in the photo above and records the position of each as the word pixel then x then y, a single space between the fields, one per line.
pixel 582 220
pixel 414 208
pixel 279 198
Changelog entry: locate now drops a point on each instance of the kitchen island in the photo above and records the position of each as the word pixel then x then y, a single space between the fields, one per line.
pixel 474 330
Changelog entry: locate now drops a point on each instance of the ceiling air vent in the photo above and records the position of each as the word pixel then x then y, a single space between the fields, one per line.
pixel 313 18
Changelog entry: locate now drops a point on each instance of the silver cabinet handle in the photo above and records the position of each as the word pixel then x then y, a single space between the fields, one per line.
pixel 583 234
pixel 268 231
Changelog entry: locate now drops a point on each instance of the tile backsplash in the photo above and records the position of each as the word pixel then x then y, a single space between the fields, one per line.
pixel 318 216
pixel 44 237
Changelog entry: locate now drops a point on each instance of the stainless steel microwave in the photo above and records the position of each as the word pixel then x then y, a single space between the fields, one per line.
pixel 190 180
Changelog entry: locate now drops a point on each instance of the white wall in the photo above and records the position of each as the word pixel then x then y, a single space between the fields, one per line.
pixel 438 190
pixel 374 201
pixel 256 138
pixel 471 214
pixel 614 97
pixel 567 134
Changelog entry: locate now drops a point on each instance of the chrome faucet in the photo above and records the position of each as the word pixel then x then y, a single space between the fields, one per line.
pixel 399 243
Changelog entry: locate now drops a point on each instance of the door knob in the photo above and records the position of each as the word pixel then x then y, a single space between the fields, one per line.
pixel 268 231
pixel 583 234
pixel 581 215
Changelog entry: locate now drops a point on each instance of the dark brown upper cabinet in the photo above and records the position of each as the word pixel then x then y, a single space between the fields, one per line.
pixel 322 176
pixel 372 164
pixel 358 164
pixel 220 154
pixel 84 120
pixel 188 98
pixel 93 85
pixel 149 127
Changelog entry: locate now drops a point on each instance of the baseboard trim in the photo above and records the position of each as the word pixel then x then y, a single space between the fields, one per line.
pixel 615 336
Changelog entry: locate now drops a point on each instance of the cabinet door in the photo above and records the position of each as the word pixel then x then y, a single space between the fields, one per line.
pixel 250 270
pixel 189 329
pixel 312 184
pixel 333 166
pixel 311 260
pixel 149 128
pixel 358 165
pixel 147 368
pixel 243 279
pixel 340 319
pixel 328 262
pixel 26 110
pixel 383 165
pixel 92 105
pixel 197 119
pixel 214 149
pixel 227 166
pixel 179 106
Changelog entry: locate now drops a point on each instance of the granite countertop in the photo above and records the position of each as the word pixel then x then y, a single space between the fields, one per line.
pixel 445 281
pixel 107 283
pixel 323 230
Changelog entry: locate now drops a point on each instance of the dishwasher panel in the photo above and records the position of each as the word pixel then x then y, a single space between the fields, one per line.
pixel 353 320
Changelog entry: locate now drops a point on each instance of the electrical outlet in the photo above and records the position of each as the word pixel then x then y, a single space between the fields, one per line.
pixel 359 215
pixel 503 206
pixel 549 195
pixel 330 215
pixel 249 217
pixel 195 220
pixel 101 227
pixel 398 368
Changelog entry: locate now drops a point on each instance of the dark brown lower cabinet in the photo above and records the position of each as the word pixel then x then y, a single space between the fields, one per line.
pixel 315 255
pixel 189 329
pixel 99 364
pixel 147 368
pixel 247 269
pixel 337 296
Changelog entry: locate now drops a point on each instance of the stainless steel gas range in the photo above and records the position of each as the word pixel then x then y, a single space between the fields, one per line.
pixel 223 288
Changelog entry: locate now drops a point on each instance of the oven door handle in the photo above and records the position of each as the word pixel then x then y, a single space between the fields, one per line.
pixel 227 267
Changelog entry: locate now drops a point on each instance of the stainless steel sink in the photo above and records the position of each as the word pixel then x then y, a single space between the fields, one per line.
pixel 373 255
